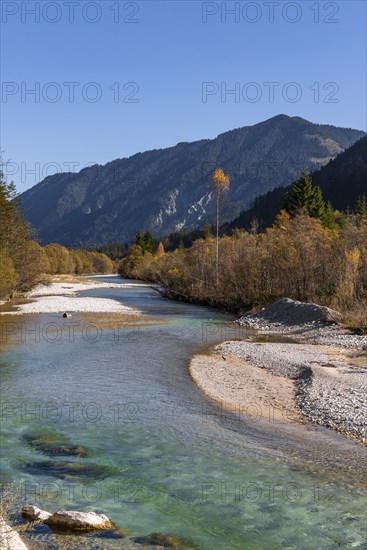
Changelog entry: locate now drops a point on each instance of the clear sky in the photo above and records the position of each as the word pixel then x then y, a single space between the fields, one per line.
pixel 112 78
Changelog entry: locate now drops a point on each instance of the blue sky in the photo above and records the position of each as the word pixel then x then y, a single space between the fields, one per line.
pixel 150 74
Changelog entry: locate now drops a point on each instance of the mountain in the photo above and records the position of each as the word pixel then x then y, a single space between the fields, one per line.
pixel 342 181
pixel 168 189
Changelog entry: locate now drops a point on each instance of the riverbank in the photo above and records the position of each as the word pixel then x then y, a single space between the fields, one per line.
pixel 61 296
pixel 287 382
pixel 131 414
pixel 320 378
pixel 306 322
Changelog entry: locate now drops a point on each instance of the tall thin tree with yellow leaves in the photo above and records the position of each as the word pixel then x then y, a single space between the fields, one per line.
pixel 221 185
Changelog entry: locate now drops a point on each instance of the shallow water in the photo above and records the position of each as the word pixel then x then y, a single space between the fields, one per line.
pixel 170 460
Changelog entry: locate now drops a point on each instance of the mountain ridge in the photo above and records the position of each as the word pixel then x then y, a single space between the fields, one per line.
pixel 168 189
pixel 350 166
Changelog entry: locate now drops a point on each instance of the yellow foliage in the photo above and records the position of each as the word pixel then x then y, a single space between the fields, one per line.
pixel 346 292
pixel 221 181
pixel 174 272
pixel 353 256
pixel 160 251
pixel 8 275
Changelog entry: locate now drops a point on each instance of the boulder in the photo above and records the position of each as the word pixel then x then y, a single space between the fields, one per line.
pixel 10 539
pixel 68 520
pixel 79 520
pixel 35 514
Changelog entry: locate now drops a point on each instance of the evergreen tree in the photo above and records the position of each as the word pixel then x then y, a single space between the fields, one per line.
pixel 341 218
pixel 329 216
pixel 139 240
pixel 317 207
pixel 207 231
pixel 148 242
pixel 10 219
pixel 361 209
pixel 181 246
pixel 301 196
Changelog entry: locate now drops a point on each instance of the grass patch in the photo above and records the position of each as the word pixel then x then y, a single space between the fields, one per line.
pixel 356 318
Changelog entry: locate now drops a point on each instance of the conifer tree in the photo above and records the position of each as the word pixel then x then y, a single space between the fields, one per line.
pixel 207 231
pixel 317 207
pixel 148 242
pixel 341 218
pixel 301 196
pixel 139 240
pixel 329 216
pixel 361 209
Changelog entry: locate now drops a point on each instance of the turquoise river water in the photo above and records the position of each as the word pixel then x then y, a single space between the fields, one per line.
pixel 160 456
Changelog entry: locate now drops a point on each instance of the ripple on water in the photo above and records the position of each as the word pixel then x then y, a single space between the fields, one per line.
pixel 167 459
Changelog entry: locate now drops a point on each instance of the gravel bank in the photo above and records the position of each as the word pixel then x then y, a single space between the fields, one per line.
pixel 325 363
pixel 65 288
pixel 308 323
pixel 62 297
pixel 243 388
pixel 328 392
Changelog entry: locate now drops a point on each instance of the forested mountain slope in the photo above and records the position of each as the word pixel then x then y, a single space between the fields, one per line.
pixel 168 189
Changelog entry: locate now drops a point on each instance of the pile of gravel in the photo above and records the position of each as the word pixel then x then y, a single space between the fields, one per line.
pixel 308 323
pixel 289 313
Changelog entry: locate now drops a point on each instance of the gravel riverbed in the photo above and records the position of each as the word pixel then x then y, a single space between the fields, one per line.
pixel 59 297
pixel 326 363
pixel 307 323
pixel 328 392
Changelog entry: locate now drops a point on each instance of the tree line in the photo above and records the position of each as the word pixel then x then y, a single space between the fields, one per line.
pixel 311 253
pixel 24 263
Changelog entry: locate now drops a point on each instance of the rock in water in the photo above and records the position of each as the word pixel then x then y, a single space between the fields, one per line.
pixel 53 444
pixel 66 469
pixel 35 514
pixel 68 520
pixel 79 520
pixel 159 539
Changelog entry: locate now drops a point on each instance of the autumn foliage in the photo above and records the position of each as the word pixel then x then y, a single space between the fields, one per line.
pixel 220 180
pixel 24 263
pixel 311 253
pixel 297 257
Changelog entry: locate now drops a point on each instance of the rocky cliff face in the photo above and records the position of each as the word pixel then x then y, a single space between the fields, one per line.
pixel 168 189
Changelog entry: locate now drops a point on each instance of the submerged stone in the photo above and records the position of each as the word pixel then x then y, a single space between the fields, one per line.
pixel 54 444
pixel 160 539
pixel 67 469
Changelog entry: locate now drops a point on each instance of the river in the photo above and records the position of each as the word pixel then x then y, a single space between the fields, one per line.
pixel 164 457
